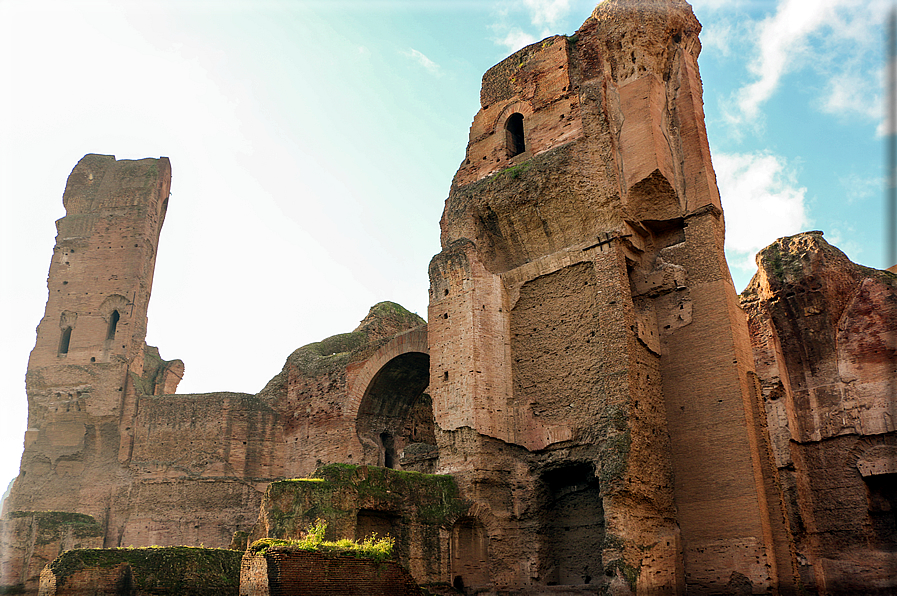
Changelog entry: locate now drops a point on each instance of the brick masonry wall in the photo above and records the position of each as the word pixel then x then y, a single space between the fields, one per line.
pixel 284 572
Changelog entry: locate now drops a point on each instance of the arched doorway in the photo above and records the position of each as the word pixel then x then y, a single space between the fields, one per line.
pixel 470 554
pixel 395 411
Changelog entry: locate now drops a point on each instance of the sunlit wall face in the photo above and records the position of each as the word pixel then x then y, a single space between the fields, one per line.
pixel 313 145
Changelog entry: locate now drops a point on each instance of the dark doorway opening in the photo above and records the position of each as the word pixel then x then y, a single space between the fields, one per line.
pixel 574 525
pixel 389 450
pixel 881 491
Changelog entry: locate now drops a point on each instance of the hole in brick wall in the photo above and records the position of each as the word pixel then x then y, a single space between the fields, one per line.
pixel 389 450
pixel 64 340
pixel 113 324
pixel 445 376
pixel 93 359
pixel 881 494
pixel 445 315
pixel 514 135
pixel 446 292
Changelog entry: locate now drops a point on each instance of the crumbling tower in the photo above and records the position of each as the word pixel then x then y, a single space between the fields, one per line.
pixel 591 372
pixel 90 346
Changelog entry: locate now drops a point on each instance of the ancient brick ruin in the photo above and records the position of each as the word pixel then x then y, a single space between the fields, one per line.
pixel 588 382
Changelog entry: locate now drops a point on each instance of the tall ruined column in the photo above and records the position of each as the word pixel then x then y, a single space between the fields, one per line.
pixel 590 367
pixel 90 343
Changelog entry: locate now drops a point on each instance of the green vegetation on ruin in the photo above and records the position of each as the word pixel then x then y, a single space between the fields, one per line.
pixel 184 570
pixel 514 172
pixel 51 525
pixel 372 547
pixel 332 354
pixel 327 493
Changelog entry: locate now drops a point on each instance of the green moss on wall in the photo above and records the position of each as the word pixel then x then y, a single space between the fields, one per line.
pixel 182 570
pixel 51 525
pixel 338 491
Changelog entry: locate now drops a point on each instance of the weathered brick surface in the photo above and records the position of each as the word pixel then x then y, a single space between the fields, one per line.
pixel 282 572
pixel 822 330
pixel 583 321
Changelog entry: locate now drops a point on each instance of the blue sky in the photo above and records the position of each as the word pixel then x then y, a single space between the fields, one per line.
pixel 313 145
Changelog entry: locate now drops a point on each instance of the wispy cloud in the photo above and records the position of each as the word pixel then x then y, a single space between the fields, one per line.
pixel 516 39
pixel 421 59
pixel 836 37
pixel 546 14
pixel 762 202
pixel 545 18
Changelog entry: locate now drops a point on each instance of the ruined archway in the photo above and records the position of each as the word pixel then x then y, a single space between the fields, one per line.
pixel 395 412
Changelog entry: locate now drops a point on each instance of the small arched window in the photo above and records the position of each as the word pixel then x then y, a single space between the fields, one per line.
pixel 113 323
pixel 64 341
pixel 514 134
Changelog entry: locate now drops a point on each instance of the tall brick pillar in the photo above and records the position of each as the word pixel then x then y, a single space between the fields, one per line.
pixel 591 372
pixel 90 343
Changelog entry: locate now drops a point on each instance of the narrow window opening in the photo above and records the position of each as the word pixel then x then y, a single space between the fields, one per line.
pixel 514 135
pixel 113 323
pixel 389 450
pixel 64 341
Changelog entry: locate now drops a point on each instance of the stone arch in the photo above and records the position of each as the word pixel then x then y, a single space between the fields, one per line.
pixel 392 409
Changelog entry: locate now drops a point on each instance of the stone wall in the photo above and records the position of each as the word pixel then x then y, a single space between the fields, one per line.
pixel 30 540
pixel 824 336
pixel 585 334
pixel 142 572
pixel 281 571
pixel 417 510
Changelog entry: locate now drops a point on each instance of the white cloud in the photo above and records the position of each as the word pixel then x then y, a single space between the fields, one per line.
pixel 718 36
pixel 835 37
pixel 761 199
pixel 546 14
pixel 546 17
pixel 421 59
pixel 516 39
pixel 849 93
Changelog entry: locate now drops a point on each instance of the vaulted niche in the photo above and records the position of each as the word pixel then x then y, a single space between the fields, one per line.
pixel 470 554
pixel 64 340
pixel 394 411
pixel 881 492
pixel 514 135
pixel 573 526
pixel 113 324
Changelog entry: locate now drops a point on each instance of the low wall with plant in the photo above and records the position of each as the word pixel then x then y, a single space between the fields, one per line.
pixel 416 510
pixel 182 570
